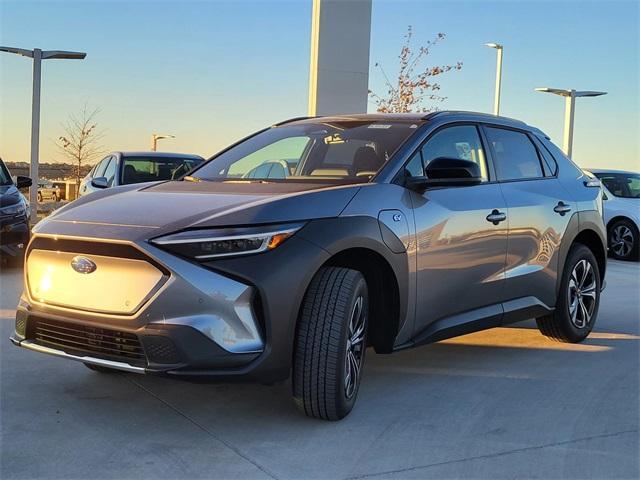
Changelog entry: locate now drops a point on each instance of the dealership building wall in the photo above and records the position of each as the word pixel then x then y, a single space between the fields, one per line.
pixel 339 67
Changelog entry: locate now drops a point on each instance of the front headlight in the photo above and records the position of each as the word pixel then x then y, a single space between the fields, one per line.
pixel 215 243
pixel 19 208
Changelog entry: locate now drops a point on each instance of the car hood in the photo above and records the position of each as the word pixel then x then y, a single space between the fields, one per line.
pixel 171 206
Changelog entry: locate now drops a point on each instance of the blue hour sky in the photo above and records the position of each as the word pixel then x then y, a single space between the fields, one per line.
pixel 212 71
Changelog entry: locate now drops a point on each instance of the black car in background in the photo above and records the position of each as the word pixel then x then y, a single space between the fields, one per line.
pixel 14 216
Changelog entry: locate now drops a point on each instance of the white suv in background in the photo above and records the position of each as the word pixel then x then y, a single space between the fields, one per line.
pixel 621 212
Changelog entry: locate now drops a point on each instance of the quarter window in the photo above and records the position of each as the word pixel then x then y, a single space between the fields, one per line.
pixel 516 158
pixel 110 171
pixel 461 142
pixel 99 169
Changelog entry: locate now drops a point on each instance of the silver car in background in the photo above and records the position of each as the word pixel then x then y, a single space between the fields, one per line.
pixel 621 211
pixel 126 168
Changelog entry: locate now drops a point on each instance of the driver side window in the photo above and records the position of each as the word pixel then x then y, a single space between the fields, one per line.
pixel 461 141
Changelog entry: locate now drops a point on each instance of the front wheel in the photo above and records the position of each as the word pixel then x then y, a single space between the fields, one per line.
pixel 331 343
pixel 623 240
pixel 578 299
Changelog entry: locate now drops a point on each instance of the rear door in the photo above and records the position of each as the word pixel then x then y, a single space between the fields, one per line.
pixel 539 211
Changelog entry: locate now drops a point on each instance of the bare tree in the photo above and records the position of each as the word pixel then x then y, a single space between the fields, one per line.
pixel 81 140
pixel 414 84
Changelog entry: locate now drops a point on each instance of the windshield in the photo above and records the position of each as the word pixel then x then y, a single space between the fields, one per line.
pixel 152 169
pixel 320 152
pixel 5 178
pixel 624 185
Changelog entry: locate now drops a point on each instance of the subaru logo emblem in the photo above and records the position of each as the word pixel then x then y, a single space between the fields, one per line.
pixel 83 265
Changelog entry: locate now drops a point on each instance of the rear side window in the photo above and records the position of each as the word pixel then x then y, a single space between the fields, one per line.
pixel 549 163
pixel 515 156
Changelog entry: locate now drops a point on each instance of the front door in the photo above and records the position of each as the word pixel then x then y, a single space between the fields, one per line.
pixel 461 234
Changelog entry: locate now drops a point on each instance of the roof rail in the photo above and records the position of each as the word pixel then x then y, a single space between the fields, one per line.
pixel 475 114
pixel 294 119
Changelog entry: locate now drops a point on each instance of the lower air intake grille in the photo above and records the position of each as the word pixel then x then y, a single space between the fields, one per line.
pixel 160 349
pixel 84 340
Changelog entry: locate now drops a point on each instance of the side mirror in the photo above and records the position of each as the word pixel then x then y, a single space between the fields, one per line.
pixel 100 182
pixel 23 182
pixel 447 172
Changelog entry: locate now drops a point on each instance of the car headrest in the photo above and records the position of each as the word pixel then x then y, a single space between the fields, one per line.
pixel 130 173
pixel 366 160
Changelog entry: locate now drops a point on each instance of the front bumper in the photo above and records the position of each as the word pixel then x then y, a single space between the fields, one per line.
pixel 184 318
pixel 14 235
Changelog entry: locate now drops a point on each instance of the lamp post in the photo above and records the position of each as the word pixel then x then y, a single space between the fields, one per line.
pixel 38 55
pixel 496 101
pixel 569 111
pixel 158 136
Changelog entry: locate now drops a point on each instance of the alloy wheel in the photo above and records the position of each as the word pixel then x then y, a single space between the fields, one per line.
pixel 355 347
pixel 582 294
pixel 621 240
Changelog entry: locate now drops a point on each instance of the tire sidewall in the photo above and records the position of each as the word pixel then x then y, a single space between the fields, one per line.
pixel 575 334
pixel 344 404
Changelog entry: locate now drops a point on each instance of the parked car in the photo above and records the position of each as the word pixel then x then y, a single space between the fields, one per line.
pixel 125 168
pixel 386 230
pixel 48 191
pixel 621 212
pixel 14 216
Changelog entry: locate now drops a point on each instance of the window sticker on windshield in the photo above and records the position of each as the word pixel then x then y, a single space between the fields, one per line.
pixel 333 139
pixel 379 125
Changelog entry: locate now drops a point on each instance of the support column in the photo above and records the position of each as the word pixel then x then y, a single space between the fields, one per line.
pixel 339 67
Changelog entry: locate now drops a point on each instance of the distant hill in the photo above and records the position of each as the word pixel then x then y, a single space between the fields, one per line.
pixel 50 171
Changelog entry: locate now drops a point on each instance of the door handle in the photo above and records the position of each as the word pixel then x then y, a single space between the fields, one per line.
pixel 496 217
pixel 562 208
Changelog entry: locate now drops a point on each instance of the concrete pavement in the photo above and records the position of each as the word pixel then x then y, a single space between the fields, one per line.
pixel 505 403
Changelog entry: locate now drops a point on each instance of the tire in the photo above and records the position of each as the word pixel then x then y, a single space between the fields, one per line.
pixel 54 198
pixel 39 197
pixel 325 353
pixel 99 368
pixel 580 286
pixel 623 240
pixel 15 261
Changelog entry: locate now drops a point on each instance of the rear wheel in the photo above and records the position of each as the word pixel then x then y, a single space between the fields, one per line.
pixel 331 343
pixel 624 243
pixel 578 299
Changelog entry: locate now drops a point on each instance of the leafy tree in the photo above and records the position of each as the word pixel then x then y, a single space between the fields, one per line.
pixel 415 84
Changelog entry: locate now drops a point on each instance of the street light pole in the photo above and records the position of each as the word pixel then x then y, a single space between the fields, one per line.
pixel 569 112
pixel 496 101
pixel 158 136
pixel 38 55
pixel 35 134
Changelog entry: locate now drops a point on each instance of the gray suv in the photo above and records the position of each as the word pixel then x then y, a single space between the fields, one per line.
pixel 293 250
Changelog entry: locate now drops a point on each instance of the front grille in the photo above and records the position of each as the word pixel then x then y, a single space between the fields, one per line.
pixel 84 340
